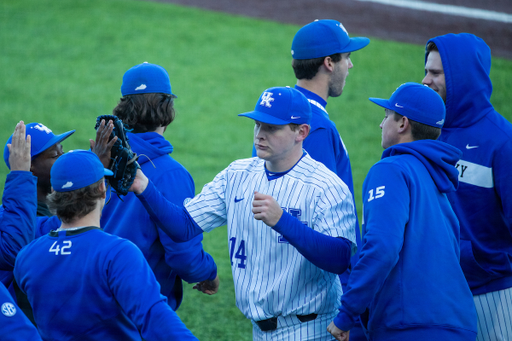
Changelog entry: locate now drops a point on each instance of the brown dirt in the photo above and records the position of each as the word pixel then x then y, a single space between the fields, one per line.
pixel 376 20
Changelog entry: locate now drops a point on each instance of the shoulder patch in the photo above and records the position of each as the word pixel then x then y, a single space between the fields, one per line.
pixel 8 309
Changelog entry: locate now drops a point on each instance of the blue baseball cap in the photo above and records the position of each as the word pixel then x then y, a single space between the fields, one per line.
pixel 322 38
pixel 417 102
pixel 76 169
pixel 146 78
pixel 280 106
pixel 42 138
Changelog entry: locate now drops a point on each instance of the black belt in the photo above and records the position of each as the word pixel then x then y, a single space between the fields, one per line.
pixel 271 323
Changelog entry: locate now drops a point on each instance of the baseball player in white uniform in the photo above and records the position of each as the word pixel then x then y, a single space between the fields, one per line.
pixel 290 223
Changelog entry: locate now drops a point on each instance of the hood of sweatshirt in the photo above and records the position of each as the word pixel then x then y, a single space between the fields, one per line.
pixel 438 157
pixel 149 146
pixel 466 63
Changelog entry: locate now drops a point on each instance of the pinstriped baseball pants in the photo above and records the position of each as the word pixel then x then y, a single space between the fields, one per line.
pixel 494 311
pixel 289 328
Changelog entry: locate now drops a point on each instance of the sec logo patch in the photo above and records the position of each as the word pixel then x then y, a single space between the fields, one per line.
pixel 8 309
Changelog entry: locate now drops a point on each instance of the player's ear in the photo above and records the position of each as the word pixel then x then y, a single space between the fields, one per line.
pixel 328 64
pixel 404 125
pixel 304 130
pixel 103 189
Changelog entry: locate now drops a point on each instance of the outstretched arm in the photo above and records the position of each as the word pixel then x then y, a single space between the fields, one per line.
pixel 184 252
pixel 19 200
pixel 174 220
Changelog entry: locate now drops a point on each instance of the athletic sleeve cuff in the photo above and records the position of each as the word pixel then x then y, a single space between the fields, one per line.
pixel 344 321
pixel 214 273
pixel 326 252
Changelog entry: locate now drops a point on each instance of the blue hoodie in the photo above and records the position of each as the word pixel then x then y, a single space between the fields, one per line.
pixel 408 275
pixel 483 202
pixel 171 262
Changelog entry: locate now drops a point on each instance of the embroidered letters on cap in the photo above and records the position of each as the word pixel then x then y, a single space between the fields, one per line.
pixel 266 99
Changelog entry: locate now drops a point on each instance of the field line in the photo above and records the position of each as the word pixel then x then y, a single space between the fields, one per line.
pixel 448 9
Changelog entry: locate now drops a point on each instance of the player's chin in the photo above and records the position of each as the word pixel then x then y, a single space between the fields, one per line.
pixel 262 152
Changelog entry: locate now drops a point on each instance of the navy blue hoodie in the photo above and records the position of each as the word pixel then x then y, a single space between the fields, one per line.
pixel 483 202
pixel 408 275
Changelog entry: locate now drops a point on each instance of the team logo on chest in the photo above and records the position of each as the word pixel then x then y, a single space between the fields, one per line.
pixel 266 99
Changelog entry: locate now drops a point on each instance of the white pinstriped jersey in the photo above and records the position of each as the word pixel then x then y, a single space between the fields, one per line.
pixel 271 277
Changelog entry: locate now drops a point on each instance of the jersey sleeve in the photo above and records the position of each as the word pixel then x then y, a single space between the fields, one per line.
pixel 14 325
pixel 208 208
pixel 19 201
pixel 386 212
pixel 134 285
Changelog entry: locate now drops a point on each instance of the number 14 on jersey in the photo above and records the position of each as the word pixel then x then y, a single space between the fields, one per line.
pixel 240 256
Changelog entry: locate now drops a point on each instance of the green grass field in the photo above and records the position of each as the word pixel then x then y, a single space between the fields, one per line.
pixel 62 63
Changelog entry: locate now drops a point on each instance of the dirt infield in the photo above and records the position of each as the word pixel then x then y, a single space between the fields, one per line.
pixel 376 20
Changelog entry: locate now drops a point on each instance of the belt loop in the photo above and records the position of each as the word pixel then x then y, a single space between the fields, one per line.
pixel 271 323
pixel 307 318
pixel 267 325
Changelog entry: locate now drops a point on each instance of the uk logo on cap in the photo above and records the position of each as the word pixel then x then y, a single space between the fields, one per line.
pixel 343 28
pixel 266 99
pixel 42 127
pixel 67 185
pixel 280 106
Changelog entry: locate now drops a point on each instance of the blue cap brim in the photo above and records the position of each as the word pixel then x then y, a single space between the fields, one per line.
pixel 264 118
pixel 107 172
pixel 355 44
pixel 382 102
pixel 54 140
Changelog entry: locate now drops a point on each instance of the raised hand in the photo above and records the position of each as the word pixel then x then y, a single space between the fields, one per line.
pixel 19 149
pixel 102 146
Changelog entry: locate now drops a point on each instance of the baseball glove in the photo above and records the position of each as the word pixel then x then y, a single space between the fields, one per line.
pixel 124 163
